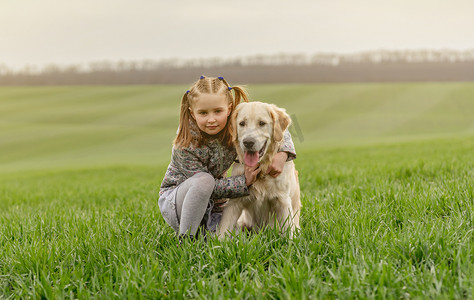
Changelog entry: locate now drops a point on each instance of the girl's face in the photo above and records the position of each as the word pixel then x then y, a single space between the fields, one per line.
pixel 210 112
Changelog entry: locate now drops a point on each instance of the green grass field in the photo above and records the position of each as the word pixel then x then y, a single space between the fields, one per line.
pixel 386 173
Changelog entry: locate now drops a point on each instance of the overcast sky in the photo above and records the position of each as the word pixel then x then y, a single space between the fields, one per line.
pixel 39 32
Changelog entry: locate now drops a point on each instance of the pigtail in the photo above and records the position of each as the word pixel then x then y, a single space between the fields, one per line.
pixel 184 137
pixel 239 93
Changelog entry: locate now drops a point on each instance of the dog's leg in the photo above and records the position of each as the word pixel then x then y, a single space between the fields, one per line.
pixel 296 218
pixel 296 202
pixel 296 208
pixel 230 215
pixel 285 215
pixel 245 221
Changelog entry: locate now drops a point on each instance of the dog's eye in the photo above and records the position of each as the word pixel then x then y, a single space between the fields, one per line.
pixel 261 123
pixel 242 123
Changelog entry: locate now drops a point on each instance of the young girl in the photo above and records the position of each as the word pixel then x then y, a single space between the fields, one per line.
pixel 203 152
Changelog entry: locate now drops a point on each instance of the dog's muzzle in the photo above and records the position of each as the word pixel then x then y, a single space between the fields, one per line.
pixel 251 156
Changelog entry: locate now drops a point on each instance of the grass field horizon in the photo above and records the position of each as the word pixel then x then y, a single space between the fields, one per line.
pixel 386 174
pixel 44 127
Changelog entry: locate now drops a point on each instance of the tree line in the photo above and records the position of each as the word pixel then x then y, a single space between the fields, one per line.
pixel 369 66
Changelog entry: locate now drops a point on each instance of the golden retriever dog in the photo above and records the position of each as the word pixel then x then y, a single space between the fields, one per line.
pixel 257 134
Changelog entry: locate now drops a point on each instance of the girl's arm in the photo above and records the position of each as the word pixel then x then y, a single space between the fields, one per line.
pixel 288 146
pixel 285 153
pixel 230 187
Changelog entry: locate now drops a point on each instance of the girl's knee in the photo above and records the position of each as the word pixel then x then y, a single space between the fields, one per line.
pixel 206 180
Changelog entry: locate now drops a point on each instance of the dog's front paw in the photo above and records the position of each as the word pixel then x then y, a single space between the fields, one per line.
pixel 245 221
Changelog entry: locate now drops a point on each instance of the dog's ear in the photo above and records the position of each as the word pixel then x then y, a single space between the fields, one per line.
pixel 281 121
pixel 233 125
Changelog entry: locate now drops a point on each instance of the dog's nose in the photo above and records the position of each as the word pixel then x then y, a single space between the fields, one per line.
pixel 248 143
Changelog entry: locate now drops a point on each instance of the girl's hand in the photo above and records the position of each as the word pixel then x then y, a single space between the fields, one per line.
pixel 278 162
pixel 251 174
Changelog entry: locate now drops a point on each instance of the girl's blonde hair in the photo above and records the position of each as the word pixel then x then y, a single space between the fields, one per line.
pixel 206 85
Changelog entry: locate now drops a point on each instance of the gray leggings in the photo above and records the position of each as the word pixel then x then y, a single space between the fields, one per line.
pixel 192 199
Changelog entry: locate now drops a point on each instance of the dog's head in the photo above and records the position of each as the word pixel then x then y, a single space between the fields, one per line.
pixel 257 130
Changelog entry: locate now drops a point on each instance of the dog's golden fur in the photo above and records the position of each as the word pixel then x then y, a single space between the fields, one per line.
pixel 272 201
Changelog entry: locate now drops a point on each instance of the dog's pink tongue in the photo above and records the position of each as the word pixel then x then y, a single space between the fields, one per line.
pixel 251 158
